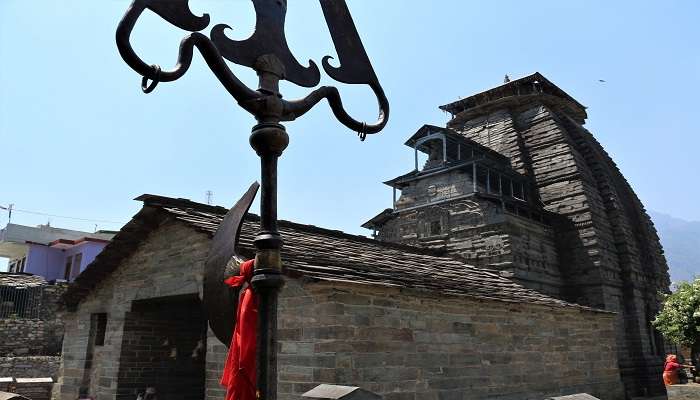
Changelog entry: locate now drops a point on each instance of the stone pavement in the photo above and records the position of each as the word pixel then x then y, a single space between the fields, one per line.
pixel 690 391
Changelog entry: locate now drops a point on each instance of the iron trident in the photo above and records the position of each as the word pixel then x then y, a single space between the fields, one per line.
pixel 266 52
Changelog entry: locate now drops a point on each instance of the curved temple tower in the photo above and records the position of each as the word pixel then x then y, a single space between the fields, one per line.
pixel 515 183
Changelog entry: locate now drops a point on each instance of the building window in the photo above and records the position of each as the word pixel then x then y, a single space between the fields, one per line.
pixel 435 227
pixel 69 265
pixel 98 324
pixel 77 260
pixel 518 191
pixel 22 264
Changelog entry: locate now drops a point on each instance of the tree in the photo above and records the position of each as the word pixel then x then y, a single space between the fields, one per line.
pixel 679 319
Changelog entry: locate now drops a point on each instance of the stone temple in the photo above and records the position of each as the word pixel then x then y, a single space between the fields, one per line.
pixel 516 184
pixel 516 263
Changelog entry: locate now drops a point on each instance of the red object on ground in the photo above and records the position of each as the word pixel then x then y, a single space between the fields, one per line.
pixel 239 376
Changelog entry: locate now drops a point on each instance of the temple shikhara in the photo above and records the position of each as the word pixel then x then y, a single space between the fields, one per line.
pixel 516 184
pixel 516 262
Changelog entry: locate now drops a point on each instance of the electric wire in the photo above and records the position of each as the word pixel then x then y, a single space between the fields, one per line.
pixel 60 216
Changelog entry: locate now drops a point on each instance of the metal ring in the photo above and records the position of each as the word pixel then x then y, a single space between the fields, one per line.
pixel 148 88
pixel 363 133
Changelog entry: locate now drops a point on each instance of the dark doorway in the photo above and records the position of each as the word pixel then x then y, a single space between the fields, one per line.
pixel 163 347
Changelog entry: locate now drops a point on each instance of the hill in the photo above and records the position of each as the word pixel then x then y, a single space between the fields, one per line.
pixel 681 242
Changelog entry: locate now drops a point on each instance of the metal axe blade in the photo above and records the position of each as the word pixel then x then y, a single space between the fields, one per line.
pixel 223 261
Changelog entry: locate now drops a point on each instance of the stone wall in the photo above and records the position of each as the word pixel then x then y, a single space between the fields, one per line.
pixel 30 337
pixel 610 255
pixel 410 345
pixel 483 234
pixel 30 348
pixel 50 301
pixel 30 367
pixel 401 343
pixel 167 264
pixel 440 188
pixel 39 336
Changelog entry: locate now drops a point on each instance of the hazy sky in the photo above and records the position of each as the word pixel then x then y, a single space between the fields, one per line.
pixel 78 137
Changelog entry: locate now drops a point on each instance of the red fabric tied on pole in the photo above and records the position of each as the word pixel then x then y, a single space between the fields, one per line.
pixel 239 376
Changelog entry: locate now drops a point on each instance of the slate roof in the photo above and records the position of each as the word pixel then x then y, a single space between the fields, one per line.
pixel 21 280
pixel 456 137
pixel 321 254
pixel 515 88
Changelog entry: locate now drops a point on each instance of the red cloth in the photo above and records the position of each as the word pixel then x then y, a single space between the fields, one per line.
pixel 671 366
pixel 239 374
pixel 671 363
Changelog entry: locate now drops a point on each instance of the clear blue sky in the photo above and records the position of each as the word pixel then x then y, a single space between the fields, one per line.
pixel 78 138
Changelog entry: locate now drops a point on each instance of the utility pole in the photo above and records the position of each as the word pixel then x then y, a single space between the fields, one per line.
pixel 210 196
pixel 9 212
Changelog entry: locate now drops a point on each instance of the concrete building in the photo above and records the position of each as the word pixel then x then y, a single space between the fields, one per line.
pixel 52 253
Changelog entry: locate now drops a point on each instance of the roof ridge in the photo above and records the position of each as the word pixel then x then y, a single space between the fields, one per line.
pixel 319 254
pixel 183 203
pixel 179 202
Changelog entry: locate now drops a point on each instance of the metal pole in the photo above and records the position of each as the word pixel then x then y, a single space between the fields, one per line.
pixel 269 140
pixel 266 52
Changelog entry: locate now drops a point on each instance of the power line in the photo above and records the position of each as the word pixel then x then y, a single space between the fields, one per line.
pixel 59 216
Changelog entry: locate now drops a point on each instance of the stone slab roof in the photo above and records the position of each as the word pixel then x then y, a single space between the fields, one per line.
pixel 318 253
pixel 21 280
pixel 531 85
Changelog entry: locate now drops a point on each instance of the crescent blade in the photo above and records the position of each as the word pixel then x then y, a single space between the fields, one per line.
pixel 219 299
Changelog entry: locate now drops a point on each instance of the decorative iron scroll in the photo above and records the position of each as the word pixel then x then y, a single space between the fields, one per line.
pixel 265 50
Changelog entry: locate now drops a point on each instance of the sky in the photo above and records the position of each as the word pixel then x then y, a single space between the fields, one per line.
pixel 79 139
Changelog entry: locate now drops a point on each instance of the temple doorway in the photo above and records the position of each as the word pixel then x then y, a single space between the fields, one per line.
pixel 163 348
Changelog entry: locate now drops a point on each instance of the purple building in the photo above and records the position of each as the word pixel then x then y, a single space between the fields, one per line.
pixel 53 253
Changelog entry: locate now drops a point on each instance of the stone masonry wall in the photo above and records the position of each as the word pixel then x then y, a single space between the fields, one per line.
pixel 408 345
pixel 609 253
pixel 400 343
pixel 169 263
pixel 35 337
pixel 29 337
pixel 482 233
pixel 30 367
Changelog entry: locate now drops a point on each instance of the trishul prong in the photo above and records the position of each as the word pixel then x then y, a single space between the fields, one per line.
pixel 267 42
pixel 178 13
pixel 268 38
